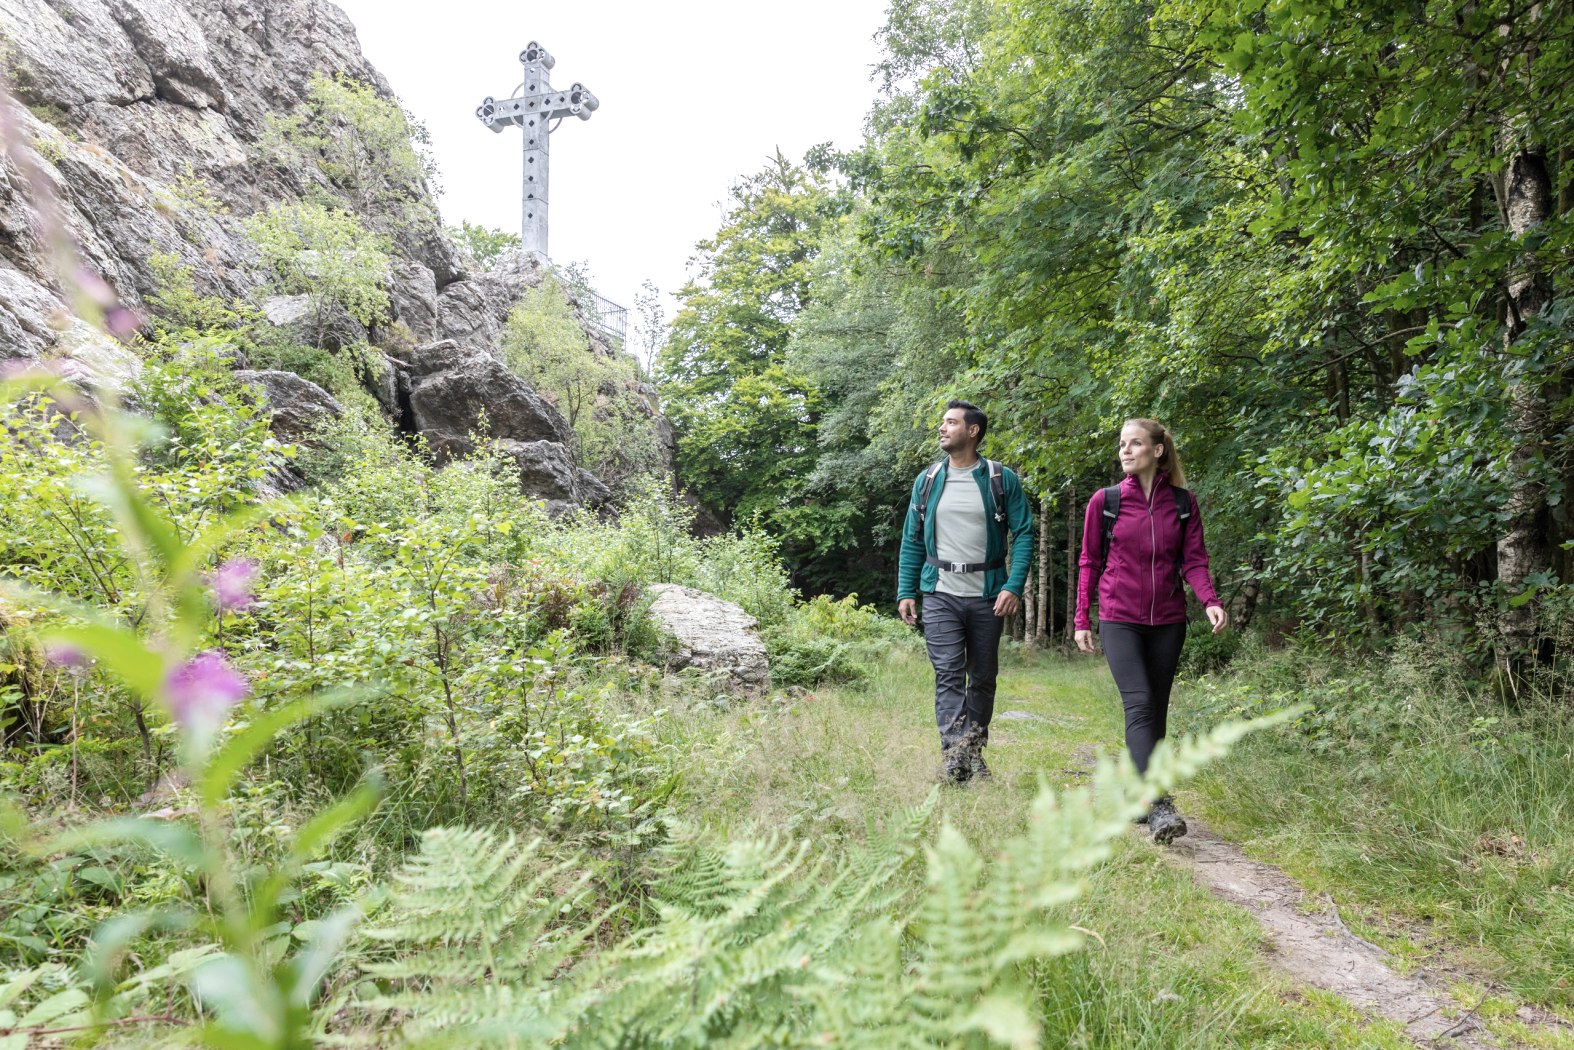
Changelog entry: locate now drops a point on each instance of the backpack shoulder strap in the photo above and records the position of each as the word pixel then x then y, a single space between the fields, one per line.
pixel 1107 523
pixel 923 498
pixel 1183 510
pixel 997 492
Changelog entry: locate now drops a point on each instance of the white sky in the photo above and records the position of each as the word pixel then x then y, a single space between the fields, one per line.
pixel 693 95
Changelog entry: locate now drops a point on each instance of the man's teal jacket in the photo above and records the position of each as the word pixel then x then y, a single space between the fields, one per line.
pixel 914 575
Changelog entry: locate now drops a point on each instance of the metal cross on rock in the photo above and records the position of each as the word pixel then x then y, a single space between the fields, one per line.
pixel 537 108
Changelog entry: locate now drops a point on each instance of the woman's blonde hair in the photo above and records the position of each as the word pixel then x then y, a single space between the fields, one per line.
pixel 1170 462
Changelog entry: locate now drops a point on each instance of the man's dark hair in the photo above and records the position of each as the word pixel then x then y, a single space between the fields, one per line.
pixel 972 416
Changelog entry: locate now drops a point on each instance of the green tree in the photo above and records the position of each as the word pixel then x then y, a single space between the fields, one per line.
pixel 745 417
pixel 597 391
pixel 324 254
pixel 483 246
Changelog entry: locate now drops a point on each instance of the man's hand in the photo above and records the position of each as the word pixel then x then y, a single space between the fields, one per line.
pixel 1007 604
pixel 1084 640
pixel 1218 617
pixel 907 609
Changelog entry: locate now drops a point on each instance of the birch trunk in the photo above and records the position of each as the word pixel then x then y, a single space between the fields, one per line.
pixel 1524 551
pixel 1071 562
pixel 1044 624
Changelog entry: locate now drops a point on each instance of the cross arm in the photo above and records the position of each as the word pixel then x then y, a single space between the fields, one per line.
pixel 577 101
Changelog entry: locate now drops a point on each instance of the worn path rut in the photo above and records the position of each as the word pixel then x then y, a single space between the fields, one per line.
pixel 1312 944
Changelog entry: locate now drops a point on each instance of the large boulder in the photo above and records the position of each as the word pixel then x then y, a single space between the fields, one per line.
pixel 474 309
pixel 712 635
pixel 453 386
pixel 413 295
pixel 295 405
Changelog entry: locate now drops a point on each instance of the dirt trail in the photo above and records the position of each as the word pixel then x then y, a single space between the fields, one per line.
pixel 1315 946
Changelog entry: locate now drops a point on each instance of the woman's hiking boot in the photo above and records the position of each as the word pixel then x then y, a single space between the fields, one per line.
pixel 1166 824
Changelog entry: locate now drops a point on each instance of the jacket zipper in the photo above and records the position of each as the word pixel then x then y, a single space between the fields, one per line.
pixel 1153 562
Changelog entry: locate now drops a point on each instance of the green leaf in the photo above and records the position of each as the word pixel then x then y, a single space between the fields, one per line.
pixel 58 1008
pixel 166 837
pixel 1004 1020
pixel 114 938
pixel 119 650
pixel 219 774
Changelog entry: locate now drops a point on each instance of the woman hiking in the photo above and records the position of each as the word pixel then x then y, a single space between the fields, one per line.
pixel 1140 539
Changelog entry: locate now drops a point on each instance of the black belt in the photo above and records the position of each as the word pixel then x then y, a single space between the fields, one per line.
pixel 965 566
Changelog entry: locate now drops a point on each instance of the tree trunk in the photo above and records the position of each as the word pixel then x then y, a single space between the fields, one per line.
pixel 1524 549
pixel 1044 625
pixel 1071 561
pixel 1251 593
pixel 1030 611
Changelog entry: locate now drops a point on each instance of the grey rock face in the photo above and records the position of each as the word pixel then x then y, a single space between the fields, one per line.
pixel 475 309
pixel 713 635
pixel 546 471
pixel 329 325
pixel 123 100
pixel 452 386
pixel 141 116
pixel 414 296
pixel 295 405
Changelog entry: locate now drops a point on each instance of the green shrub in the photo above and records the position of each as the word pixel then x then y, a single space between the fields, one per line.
pixel 826 641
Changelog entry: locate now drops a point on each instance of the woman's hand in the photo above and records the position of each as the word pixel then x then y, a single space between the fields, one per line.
pixel 1084 641
pixel 1218 617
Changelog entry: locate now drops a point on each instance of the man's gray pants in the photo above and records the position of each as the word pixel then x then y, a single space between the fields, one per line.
pixel 963 639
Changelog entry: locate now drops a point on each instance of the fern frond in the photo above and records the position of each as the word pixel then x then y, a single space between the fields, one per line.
pixel 758 943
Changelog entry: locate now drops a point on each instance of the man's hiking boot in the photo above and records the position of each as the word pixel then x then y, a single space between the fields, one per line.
pixel 1166 824
pixel 954 765
pixel 977 766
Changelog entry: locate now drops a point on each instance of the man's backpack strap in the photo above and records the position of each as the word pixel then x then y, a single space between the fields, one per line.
pixel 1183 511
pixel 997 493
pixel 923 499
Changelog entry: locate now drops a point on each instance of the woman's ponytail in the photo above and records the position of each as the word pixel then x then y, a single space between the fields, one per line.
pixel 1170 462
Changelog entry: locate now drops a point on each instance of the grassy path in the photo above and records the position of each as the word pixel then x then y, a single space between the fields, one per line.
pixel 1173 967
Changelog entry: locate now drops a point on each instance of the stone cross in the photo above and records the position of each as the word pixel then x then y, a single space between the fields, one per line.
pixel 537 108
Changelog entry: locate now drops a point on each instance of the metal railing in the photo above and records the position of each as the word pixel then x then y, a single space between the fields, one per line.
pixel 608 316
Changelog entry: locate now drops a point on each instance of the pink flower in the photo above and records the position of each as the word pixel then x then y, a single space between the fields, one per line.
pixel 201 691
pixel 94 287
pixel 63 655
pixel 231 583
pixel 122 322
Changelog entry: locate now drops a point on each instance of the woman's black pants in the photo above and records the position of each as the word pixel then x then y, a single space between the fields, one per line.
pixel 1143 659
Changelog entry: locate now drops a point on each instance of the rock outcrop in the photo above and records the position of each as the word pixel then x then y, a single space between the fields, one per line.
pixel 712 635
pixel 457 391
pixel 142 122
pixel 296 406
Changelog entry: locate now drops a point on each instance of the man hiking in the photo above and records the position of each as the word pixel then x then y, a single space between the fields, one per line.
pixel 962 511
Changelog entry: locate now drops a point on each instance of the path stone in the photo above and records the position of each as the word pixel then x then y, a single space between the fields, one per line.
pixel 1317 948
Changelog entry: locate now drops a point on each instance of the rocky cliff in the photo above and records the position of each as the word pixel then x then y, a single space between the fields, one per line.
pixel 126 105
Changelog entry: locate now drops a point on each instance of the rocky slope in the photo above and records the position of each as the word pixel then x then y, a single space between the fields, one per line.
pixel 124 105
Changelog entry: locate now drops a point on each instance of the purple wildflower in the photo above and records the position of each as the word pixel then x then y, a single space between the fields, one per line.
pixel 122 322
pixel 201 691
pixel 231 583
pixel 95 288
pixel 62 654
